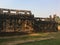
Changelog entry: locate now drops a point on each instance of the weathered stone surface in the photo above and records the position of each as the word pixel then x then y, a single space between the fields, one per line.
pixel 24 21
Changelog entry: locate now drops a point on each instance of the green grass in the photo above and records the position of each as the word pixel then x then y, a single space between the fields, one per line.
pixel 2 40
pixel 43 42
pixel 55 41
pixel 18 38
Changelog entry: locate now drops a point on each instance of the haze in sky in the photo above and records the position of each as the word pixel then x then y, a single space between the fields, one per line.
pixel 40 8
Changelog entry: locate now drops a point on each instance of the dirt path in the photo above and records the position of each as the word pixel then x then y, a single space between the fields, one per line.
pixel 24 41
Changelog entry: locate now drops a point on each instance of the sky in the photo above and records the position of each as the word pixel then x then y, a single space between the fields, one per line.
pixel 40 8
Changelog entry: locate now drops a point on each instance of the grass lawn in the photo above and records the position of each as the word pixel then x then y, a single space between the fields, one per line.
pixel 25 37
pixel 55 41
pixel 43 42
pixel 18 38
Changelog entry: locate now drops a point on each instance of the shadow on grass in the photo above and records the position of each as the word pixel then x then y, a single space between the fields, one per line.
pixel 12 34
